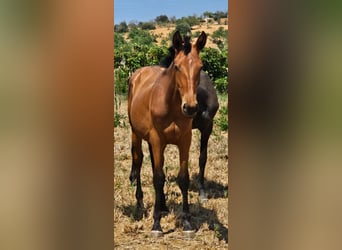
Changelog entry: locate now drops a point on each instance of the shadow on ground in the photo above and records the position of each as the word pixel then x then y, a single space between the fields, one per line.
pixel 199 213
pixel 214 190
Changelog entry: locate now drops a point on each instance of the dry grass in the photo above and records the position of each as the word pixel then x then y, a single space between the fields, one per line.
pixel 210 219
pixel 163 32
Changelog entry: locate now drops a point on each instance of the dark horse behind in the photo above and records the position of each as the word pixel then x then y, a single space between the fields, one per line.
pixel 203 121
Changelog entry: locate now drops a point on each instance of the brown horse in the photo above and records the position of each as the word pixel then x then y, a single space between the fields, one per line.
pixel 207 107
pixel 161 105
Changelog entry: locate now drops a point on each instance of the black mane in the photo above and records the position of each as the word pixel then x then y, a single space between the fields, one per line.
pixel 166 61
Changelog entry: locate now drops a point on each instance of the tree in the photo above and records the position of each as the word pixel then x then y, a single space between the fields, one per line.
pixel 147 25
pixel 121 28
pixel 207 14
pixel 219 37
pixel 183 28
pixel 191 20
pixel 133 24
pixel 119 40
pixel 219 14
pixel 215 62
pixel 162 19
pixel 173 19
pixel 142 37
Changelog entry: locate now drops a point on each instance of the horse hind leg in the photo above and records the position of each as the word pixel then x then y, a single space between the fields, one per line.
pixel 137 158
pixel 205 133
pixel 183 183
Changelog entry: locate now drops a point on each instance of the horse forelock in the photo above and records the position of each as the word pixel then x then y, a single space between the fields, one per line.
pixel 186 48
pixel 187 45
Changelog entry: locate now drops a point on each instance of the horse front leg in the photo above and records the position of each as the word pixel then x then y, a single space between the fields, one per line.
pixel 137 158
pixel 160 208
pixel 183 182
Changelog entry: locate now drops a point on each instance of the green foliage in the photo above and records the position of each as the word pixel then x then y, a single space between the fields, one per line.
pixel 131 57
pixel 147 26
pixel 119 40
pixel 121 81
pixel 220 38
pixel 219 14
pixel 132 24
pixel 142 37
pixel 208 14
pixel 222 118
pixel 121 28
pixel 162 19
pixel 183 28
pixel 215 63
pixel 141 50
pixel 220 33
pixel 190 20
pixel 119 119
pixel 221 85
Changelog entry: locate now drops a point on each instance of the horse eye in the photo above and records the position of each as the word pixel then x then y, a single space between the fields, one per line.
pixel 177 67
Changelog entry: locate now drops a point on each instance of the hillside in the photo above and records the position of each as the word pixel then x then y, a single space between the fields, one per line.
pixel 163 31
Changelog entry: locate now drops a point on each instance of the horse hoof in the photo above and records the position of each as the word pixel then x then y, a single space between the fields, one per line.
pixel 156 233
pixel 189 234
pixel 202 199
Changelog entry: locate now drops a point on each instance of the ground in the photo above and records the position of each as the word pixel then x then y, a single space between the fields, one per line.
pixel 209 219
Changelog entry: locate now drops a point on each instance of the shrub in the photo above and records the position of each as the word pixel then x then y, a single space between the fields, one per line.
pixel 121 81
pixel 119 40
pixel 119 119
pixel 147 26
pixel 162 19
pixel 131 57
pixel 222 118
pixel 121 28
pixel 220 38
pixel 215 63
pixel 183 28
pixel 142 37
pixel 221 85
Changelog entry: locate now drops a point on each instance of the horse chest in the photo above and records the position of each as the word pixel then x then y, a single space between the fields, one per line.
pixel 172 133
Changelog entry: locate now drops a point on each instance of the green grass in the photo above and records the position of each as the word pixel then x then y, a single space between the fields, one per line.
pixel 221 118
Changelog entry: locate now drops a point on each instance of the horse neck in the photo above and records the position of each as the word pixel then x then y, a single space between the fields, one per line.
pixel 166 95
pixel 170 86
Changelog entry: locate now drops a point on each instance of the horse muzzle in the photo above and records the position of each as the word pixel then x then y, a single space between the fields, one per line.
pixel 189 110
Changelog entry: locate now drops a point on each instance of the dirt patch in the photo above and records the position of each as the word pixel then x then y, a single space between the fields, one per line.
pixel 132 230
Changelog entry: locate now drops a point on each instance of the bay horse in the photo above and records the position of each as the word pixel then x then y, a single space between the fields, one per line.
pixel 161 106
pixel 203 121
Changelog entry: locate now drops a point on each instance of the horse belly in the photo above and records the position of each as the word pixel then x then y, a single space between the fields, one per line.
pixel 139 117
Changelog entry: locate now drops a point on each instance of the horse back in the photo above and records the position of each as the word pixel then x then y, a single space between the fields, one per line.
pixel 207 102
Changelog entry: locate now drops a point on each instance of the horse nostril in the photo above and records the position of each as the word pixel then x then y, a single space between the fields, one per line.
pixel 189 110
pixel 185 107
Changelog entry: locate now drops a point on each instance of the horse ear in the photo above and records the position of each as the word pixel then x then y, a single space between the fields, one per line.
pixel 201 40
pixel 177 41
